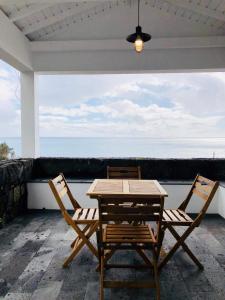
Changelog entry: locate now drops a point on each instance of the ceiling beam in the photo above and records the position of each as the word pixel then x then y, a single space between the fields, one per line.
pixel 14 46
pixel 22 2
pixel 65 13
pixel 198 8
pixel 157 43
pixel 165 60
pixel 26 11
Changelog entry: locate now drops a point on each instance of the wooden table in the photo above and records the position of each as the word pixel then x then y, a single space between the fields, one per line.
pixel 127 189
pixel 117 188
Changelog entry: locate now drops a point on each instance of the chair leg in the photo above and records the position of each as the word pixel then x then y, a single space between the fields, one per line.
pixel 77 247
pixel 156 274
pixel 143 255
pixel 81 240
pixel 74 242
pixel 186 248
pixel 180 242
pixel 85 238
pixel 107 257
pixel 102 277
pixel 77 238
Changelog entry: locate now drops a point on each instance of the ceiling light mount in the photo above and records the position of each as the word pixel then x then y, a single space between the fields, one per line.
pixel 138 38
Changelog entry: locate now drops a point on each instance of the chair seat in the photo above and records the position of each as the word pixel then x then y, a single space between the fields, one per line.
pixel 176 217
pixel 128 233
pixel 85 215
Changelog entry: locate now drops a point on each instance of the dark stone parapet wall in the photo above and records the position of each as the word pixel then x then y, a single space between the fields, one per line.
pixel 13 190
pixel 14 174
pixel 161 169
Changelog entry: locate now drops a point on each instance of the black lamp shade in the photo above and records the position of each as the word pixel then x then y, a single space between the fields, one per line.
pixel 138 34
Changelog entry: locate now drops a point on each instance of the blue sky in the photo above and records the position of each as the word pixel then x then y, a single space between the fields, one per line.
pixel 143 105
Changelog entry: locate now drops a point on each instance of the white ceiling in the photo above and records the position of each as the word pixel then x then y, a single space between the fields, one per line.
pixel 63 20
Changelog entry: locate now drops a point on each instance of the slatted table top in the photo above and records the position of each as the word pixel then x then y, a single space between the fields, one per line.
pixel 126 188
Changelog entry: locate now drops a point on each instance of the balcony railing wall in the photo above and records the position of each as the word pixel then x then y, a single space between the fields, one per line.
pixel 19 176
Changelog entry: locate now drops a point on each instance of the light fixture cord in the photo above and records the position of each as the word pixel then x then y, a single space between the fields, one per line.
pixel 138 10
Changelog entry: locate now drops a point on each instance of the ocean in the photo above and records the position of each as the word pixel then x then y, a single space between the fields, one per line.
pixel 126 147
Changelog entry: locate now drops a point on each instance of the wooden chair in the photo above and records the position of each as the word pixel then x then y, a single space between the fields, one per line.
pixel 113 236
pixel 204 189
pixel 82 217
pixel 123 172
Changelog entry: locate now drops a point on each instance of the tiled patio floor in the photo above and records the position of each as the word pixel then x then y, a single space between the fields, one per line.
pixel 32 249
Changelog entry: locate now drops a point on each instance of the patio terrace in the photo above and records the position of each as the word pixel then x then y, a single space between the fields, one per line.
pixel 34 246
pixel 60 36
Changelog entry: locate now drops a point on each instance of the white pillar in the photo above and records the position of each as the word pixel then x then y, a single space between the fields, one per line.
pixel 29 116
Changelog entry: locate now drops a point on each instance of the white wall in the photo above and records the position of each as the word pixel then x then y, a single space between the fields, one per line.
pixel 221 201
pixel 40 196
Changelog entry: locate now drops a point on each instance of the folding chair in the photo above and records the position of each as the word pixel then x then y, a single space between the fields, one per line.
pixel 112 237
pixel 202 188
pixel 82 217
pixel 123 172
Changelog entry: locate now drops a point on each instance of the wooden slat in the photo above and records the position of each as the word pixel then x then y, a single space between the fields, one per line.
pixel 128 240
pixel 109 187
pixel 203 188
pixel 63 192
pixel 176 217
pixel 123 172
pixel 126 186
pixel 118 235
pixel 59 186
pixel 179 216
pixel 77 214
pixel 200 194
pixel 127 200
pixel 166 217
pixel 91 214
pixel 127 233
pixel 83 215
pixel 130 210
pixel 130 169
pixel 96 214
pixel 122 175
pixel 127 226
pixel 171 215
pixel 206 180
pixel 130 218
pixel 143 187
pixel 127 230
pixel 185 215
pixel 57 179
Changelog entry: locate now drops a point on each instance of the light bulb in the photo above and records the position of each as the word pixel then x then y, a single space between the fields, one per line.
pixel 138 44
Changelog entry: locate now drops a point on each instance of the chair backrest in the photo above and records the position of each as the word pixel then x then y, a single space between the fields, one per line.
pixel 204 189
pixel 60 189
pixel 123 172
pixel 136 211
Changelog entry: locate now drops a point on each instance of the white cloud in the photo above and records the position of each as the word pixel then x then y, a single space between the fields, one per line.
pixel 9 102
pixel 125 118
pixel 156 105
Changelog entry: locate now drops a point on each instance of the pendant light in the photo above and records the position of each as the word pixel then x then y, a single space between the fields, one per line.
pixel 138 38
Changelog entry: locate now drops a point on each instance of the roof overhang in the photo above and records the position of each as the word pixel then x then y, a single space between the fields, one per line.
pixel 106 55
